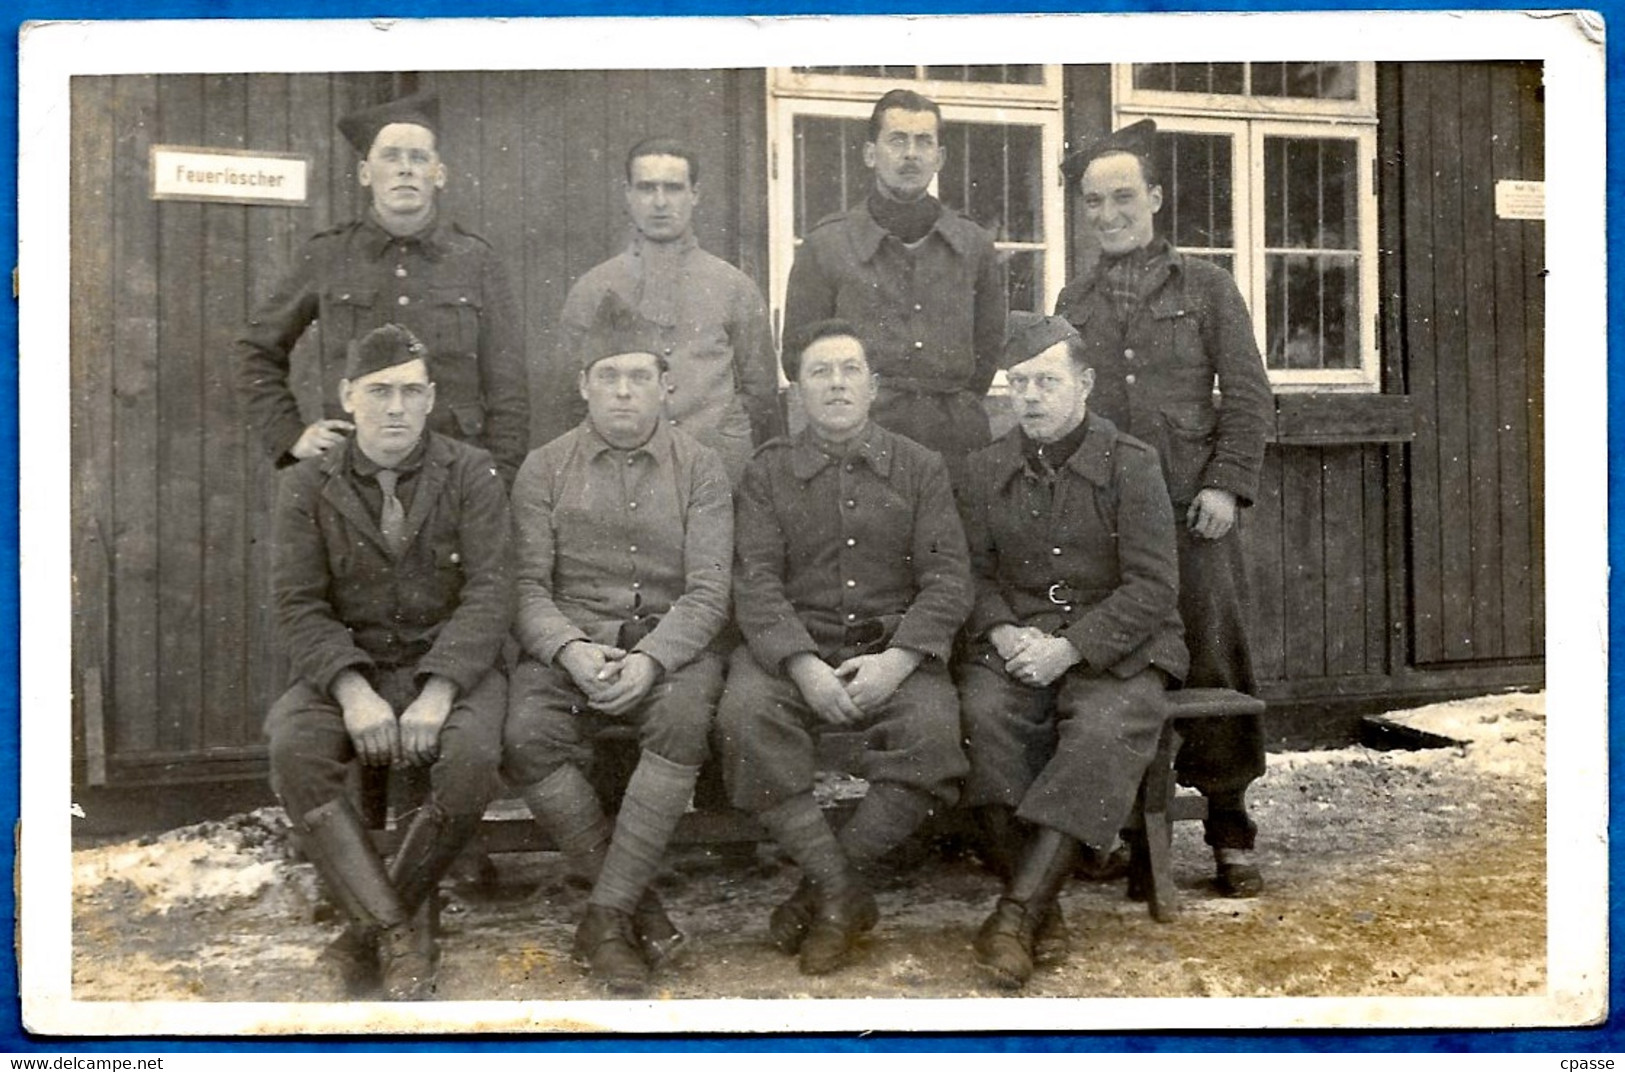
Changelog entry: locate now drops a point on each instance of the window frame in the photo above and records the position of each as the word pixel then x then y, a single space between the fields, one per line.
pixel 791 95
pixel 1249 120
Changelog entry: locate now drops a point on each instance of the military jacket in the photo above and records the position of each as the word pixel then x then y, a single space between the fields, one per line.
pixel 826 547
pixel 445 285
pixel 1155 376
pixel 1089 554
pixel 345 600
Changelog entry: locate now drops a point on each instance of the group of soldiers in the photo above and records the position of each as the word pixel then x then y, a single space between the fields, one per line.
pixel 998 619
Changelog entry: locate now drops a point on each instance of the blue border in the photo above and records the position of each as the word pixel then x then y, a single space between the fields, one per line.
pixel 1607 1038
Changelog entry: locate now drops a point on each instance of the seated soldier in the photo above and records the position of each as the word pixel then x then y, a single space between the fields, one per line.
pixel 849 582
pixel 624 528
pixel 1074 636
pixel 393 585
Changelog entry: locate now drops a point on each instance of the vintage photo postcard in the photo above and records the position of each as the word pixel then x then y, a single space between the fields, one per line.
pixel 813 524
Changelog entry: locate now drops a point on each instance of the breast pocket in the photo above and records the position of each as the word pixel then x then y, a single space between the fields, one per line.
pixel 1177 336
pixel 349 312
pixel 456 313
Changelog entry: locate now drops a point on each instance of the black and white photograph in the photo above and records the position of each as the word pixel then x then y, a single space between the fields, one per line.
pixel 813 524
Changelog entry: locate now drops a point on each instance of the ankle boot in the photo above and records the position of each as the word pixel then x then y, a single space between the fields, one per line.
pixel 838 917
pixel 1005 945
pixel 788 923
pixel 606 946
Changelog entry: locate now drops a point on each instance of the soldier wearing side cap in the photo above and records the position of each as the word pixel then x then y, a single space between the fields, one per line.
pixel 1074 637
pixel 624 527
pixel 1170 339
pixel 393 583
pixel 402 262
pixel 849 583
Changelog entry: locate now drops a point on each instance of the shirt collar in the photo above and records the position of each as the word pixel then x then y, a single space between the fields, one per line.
pixel 1162 259
pixel 376 240
pixel 363 466
pixel 595 444
pixel 950 225
pixel 1092 460
pixel 873 446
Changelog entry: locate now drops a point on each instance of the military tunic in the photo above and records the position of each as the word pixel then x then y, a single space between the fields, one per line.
pixel 445 285
pixel 345 601
pixel 839 556
pixel 931 314
pixel 1155 379
pixel 1086 554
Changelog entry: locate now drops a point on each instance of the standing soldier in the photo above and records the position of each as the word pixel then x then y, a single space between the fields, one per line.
pixel 1158 327
pixel 404 263
pixel 921 282
pixel 709 320
pixel 850 580
pixel 394 593
pixel 625 535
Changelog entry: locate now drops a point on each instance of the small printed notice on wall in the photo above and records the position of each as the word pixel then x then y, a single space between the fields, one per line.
pixel 1516 199
pixel 181 173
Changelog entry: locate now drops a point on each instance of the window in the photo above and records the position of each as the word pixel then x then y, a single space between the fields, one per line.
pixel 1002 131
pixel 1267 170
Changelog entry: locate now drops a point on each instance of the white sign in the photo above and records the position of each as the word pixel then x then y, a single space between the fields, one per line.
pixel 180 173
pixel 1516 199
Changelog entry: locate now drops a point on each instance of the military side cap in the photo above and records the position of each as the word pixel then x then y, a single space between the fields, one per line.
pixel 617 328
pixel 381 348
pixel 1137 138
pixel 361 127
pixel 1026 335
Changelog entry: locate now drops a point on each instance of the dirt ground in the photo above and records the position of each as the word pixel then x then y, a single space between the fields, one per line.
pixel 1389 874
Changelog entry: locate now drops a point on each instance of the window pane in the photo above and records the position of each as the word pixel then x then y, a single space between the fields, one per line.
pixel 1315 81
pixel 1191 77
pixel 908 73
pixel 994 175
pixel 1312 306
pixel 1310 193
pixel 1024 273
pixel 1024 74
pixel 828 167
pixel 1195 169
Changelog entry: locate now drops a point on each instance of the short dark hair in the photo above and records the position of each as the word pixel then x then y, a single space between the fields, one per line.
pixel 903 100
pixel 797 341
pixel 661 146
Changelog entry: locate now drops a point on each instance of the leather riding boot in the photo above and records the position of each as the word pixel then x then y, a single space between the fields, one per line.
pixel 409 954
pixel 606 946
pixel 998 837
pixel 1005 944
pixel 343 854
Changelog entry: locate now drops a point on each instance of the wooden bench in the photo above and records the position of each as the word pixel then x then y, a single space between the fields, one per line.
pixel 508 826
pixel 1160 804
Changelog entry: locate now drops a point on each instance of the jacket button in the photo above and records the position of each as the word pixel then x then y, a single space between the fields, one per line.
pixel 1054 550
pixel 400 271
pixel 850 542
pixel 851 504
pixel 632 505
pixel 403 300
pixel 1129 379
pixel 851 617
pixel 851 584
pixel 919 344
pixel 1128 355
pixel 634 549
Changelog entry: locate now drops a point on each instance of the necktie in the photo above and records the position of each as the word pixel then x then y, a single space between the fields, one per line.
pixel 393 520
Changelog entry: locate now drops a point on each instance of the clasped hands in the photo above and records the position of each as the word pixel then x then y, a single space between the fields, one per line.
pixel 849 693
pixel 381 739
pixel 613 679
pixel 1032 656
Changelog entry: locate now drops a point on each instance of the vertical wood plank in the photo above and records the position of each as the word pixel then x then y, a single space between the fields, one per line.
pixel 503 185
pixel 1450 333
pixel 180 446
pixel 1532 119
pixel 90 354
pixel 310 130
pixel 135 420
pixel 1512 359
pixel 1375 485
pixel 227 719
pixel 461 141
pixel 1427 619
pixel 1343 528
pixel 1303 549
pixel 272 234
pixel 546 244
pixel 749 160
pixel 1483 446
pixel 1262 540
pixel 585 194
